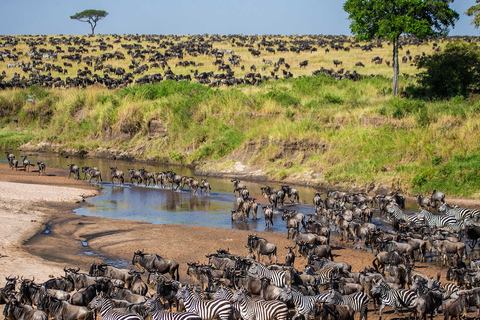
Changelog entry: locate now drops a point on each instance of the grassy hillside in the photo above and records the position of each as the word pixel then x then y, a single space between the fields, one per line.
pixel 310 129
pixel 313 128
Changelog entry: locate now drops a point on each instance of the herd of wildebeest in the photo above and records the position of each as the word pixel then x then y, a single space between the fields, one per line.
pixel 48 58
pixel 233 286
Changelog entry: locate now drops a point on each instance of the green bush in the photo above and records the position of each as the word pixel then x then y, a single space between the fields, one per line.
pixel 283 98
pixel 456 71
pixel 400 108
pixel 333 99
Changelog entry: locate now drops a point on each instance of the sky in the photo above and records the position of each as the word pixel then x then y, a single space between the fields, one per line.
pixel 191 17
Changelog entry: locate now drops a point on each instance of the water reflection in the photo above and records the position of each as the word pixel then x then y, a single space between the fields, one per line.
pixel 165 206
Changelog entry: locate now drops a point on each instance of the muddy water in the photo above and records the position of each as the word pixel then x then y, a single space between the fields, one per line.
pixel 156 205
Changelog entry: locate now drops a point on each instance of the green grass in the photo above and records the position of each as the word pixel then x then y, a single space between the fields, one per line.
pixel 351 133
pixel 13 139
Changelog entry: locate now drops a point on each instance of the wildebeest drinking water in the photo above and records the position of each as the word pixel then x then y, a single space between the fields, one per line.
pixel 155 263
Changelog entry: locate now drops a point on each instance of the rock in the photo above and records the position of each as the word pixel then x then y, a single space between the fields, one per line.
pixel 156 128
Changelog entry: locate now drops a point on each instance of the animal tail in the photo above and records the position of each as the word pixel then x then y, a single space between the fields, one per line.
pixel 375 265
pixel 178 277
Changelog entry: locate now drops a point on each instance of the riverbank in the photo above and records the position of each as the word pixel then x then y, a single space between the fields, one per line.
pixel 26 205
pixel 74 240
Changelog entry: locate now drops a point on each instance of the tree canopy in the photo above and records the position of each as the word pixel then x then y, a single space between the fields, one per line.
pixel 474 11
pixel 390 19
pixel 91 16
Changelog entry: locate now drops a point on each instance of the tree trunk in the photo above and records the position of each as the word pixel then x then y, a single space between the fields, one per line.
pixel 395 67
pixel 93 25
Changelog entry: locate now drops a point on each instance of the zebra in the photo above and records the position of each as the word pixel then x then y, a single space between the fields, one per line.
pixel 226 293
pixel 155 308
pixel 457 212
pixel 397 213
pixel 449 288
pixel 474 213
pixel 106 309
pixel 358 301
pixel 259 310
pixel 435 220
pixel 393 297
pixel 303 304
pixel 323 276
pixel 277 277
pixel 206 309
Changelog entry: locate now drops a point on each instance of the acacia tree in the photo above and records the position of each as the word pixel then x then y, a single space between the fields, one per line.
pixel 91 16
pixel 389 19
pixel 474 11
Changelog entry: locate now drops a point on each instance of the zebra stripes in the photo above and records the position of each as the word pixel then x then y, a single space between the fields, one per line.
pixel 277 277
pixel 303 304
pixel 259 310
pixel 206 309
pixel 226 293
pixel 107 311
pixel 457 212
pixel 155 308
pixel 436 220
pixel 326 275
pixel 358 301
pixel 449 288
pixel 392 297
pixel 397 213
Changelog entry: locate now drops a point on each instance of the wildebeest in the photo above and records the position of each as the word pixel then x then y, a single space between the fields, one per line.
pixel 155 263
pixel 63 283
pixel 81 280
pixel 299 217
pixel 321 251
pixel 455 308
pixel 268 216
pixel 437 196
pixel 75 170
pixel 428 304
pixel 174 179
pixel 125 294
pixel 105 270
pixel 41 167
pixel 62 310
pixel 17 311
pixel 290 257
pixel 26 163
pixel 423 202
pixel 331 311
pixel 204 185
pixel 135 175
pixel 292 193
pixel 147 176
pixel 10 156
pixel 117 174
pixel 136 284
pixel 9 287
pixel 262 247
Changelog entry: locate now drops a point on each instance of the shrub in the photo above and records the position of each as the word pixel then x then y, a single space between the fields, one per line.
pixel 283 98
pixel 456 71
pixel 400 108
pixel 333 99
